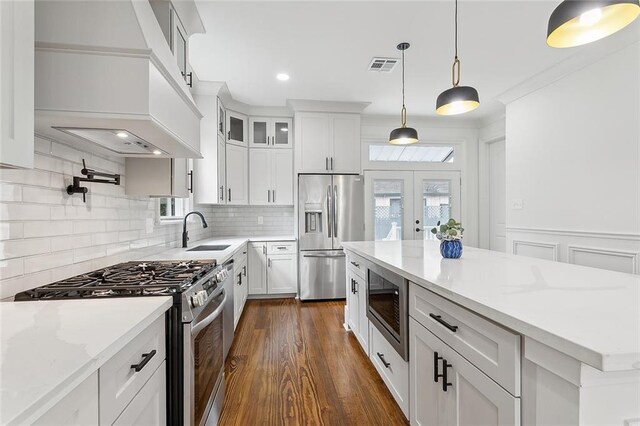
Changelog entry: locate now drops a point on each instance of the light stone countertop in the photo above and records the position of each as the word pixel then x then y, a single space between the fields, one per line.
pixel 590 314
pixel 50 347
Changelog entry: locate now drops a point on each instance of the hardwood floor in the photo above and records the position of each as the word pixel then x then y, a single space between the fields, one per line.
pixel 293 363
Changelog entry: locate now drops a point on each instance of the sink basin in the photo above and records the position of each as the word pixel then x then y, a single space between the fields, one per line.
pixel 210 248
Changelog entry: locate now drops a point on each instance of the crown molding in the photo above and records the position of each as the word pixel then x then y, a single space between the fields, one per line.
pixel 307 105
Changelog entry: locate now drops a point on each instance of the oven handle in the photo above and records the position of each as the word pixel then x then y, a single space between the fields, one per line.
pixel 209 318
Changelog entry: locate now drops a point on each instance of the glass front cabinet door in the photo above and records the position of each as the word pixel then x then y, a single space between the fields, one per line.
pixel 237 128
pixel 270 132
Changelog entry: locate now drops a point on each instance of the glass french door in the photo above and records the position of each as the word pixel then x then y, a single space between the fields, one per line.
pixel 405 205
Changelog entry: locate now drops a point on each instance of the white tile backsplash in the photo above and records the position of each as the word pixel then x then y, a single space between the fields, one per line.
pixel 47 235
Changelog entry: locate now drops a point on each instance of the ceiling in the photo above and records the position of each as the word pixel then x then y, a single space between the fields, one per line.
pixel 326 48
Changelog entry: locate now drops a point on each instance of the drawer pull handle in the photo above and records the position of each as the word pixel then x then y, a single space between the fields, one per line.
pixel 445 382
pixel 436 359
pixel 145 360
pixel 439 319
pixel 384 362
pixel 356 264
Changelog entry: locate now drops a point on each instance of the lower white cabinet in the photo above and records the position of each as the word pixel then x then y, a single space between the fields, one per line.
pixel 392 368
pixel 272 273
pixel 237 174
pixel 446 389
pixel 357 320
pixel 148 407
pixel 79 407
pixel 241 285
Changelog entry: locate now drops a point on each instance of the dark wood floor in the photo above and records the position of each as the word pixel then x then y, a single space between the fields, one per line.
pixel 293 363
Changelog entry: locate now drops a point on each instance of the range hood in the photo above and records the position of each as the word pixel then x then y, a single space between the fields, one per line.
pixel 104 69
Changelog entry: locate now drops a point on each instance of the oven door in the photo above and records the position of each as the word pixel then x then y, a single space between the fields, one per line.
pixel 387 307
pixel 204 364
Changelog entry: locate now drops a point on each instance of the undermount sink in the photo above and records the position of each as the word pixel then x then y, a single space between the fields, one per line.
pixel 206 247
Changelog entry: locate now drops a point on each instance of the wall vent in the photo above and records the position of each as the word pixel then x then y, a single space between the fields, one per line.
pixel 383 64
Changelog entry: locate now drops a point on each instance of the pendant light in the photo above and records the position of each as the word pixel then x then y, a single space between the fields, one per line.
pixel 578 22
pixel 403 135
pixel 458 99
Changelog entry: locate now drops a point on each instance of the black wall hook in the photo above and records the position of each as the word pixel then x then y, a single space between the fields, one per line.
pixel 90 174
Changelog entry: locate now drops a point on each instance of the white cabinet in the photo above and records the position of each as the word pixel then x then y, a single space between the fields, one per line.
pixel 271 177
pixel 240 289
pixel 162 177
pixel 392 368
pixel 357 300
pixel 237 126
pixel 327 143
pixel 221 118
pixel 270 132
pixel 237 174
pixel 148 407
pixel 79 407
pixel 17 83
pixel 272 271
pixel 209 178
pixel 446 389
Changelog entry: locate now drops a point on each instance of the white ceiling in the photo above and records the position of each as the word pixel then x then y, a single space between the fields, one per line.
pixel 326 48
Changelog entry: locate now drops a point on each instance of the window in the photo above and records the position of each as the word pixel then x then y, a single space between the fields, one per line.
pixel 411 153
pixel 436 204
pixel 388 209
pixel 173 208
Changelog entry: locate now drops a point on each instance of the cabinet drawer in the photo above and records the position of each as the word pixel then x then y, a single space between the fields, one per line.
pixel 281 247
pixel 491 348
pixel 149 406
pixel 79 407
pixel 240 255
pixel 395 373
pixel 357 264
pixel 119 381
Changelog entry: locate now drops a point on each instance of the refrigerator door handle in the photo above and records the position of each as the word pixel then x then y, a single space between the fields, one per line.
pixel 329 215
pixel 335 211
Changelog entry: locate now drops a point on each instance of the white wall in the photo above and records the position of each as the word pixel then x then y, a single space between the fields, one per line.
pixel 490 131
pixel 573 159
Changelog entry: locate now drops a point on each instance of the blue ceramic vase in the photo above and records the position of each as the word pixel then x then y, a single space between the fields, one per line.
pixel 451 249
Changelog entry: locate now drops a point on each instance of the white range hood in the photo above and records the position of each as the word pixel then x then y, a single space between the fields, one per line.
pixel 103 69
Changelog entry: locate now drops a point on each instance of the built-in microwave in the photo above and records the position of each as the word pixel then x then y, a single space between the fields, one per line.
pixel 387 307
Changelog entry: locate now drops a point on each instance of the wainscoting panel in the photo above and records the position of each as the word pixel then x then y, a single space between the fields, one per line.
pixel 614 260
pixel 547 251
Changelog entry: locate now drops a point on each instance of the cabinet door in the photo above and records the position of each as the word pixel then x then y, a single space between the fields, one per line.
pixel 148 407
pixel 312 135
pixel 260 170
pixel 161 177
pixel 281 133
pixel 221 115
pixel 363 321
pixel 257 270
pixel 259 136
pixel 17 83
pixel 237 126
pixel 79 407
pixel 181 181
pixel 281 274
pixel 282 177
pixel 354 303
pixel 345 149
pixel 222 172
pixel 237 175
pixel 205 170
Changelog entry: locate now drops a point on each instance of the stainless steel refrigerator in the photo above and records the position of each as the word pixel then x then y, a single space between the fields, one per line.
pixel 330 211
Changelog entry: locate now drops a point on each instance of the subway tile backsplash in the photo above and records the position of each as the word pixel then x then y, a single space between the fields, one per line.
pixel 47 235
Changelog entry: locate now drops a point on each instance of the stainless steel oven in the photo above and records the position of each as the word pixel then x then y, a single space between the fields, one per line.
pixel 387 307
pixel 204 359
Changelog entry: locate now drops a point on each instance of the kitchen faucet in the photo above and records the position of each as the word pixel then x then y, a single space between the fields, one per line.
pixel 185 234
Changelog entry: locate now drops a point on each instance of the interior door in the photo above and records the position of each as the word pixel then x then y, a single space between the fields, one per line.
pixel 388 205
pixel 436 198
pixel 497 202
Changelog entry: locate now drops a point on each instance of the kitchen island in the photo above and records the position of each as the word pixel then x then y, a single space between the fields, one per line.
pixel 573 332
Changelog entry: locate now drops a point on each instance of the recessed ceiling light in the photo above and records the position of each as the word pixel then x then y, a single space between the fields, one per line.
pixel 157 152
pixel 122 135
pixel 282 77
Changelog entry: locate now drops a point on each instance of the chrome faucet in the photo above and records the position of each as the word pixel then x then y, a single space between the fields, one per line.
pixel 185 234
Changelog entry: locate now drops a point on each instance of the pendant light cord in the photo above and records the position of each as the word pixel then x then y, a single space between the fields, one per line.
pixel 456 30
pixel 404 109
pixel 455 68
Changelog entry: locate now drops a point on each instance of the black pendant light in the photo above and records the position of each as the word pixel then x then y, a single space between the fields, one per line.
pixel 458 99
pixel 403 135
pixel 578 22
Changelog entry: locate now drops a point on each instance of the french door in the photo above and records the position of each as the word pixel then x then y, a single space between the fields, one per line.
pixel 405 205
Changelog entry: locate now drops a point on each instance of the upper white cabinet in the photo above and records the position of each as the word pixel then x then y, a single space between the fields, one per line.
pixel 209 177
pixel 160 177
pixel 270 132
pixel 92 82
pixel 16 83
pixel 271 177
pixel 327 142
pixel 222 119
pixel 237 128
pixel 237 174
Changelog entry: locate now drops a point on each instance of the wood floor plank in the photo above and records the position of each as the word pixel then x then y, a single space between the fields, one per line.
pixel 293 363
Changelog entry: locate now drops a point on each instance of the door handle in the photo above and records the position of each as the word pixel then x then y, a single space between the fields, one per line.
pixel 436 375
pixel 268 195
pixel 274 195
pixel 264 249
pixel 244 271
pixel 418 229
pixel 335 210
pixel 222 193
pixel 145 360
pixel 331 163
pixel 445 382
pixel 190 186
pixel 326 163
pixel 384 362
pixel 356 264
pixel 352 292
pixel 329 224
pixel 439 319
pixel 269 262
pixel 229 194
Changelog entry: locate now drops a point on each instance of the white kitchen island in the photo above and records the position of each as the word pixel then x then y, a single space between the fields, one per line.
pixel 573 334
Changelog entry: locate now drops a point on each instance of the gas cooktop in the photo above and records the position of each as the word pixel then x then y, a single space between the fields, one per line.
pixel 126 280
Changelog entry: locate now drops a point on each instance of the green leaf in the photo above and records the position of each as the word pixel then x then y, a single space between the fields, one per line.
pixel 453 232
pixel 438 224
pixel 452 222
pixel 434 231
pixel 443 228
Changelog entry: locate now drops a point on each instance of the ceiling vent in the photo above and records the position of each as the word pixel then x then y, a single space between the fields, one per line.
pixel 383 64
